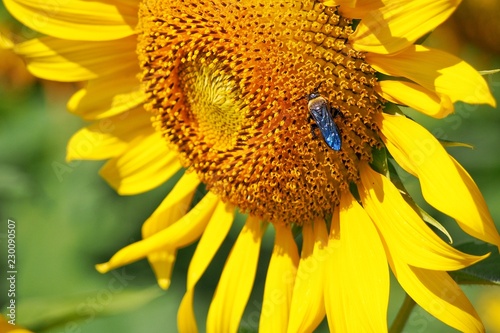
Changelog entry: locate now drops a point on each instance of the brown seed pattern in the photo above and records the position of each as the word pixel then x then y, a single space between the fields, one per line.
pixel 225 81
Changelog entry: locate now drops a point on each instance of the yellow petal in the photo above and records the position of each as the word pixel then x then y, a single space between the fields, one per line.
pixel 436 71
pixel 70 61
pixel 237 279
pixel 417 97
pixel 146 164
pixel 445 184
pixel 357 280
pixel 77 20
pixel 485 231
pixel 307 309
pixel 109 137
pixel 212 238
pixel 172 209
pixel 103 97
pixel 186 320
pixel 174 206
pixel 402 229
pixel 162 262
pixel 279 282
pixel 438 294
pixel 180 234
pixel 399 23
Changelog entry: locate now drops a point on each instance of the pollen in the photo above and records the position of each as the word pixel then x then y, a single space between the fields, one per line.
pixel 226 82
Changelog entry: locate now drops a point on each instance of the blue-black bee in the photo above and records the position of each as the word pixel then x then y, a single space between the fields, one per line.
pixel 320 112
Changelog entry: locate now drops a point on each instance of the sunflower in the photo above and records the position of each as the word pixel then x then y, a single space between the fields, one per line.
pixel 219 89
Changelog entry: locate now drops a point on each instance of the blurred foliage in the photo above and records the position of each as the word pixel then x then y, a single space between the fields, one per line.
pixel 66 223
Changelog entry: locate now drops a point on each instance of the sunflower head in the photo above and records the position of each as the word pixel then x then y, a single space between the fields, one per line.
pixel 226 88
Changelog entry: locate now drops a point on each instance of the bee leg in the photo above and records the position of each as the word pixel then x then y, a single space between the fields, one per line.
pixel 314 126
pixel 336 112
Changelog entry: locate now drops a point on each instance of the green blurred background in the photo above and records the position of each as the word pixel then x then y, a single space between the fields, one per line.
pixel 68 219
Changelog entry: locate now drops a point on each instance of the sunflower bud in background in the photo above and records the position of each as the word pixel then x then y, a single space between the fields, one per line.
pixel 478 21
pixel 488 306
pixel 13 71
pixel 222 96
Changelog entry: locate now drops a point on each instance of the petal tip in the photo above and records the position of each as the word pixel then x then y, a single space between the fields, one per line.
pixel 164 283
pixel 493 102
pixel 103 268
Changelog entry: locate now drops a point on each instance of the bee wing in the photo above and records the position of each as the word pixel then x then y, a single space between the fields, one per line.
pixel 324 119
pixel 332 136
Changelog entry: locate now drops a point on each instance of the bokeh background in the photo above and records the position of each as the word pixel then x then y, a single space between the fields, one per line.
pixel 68 219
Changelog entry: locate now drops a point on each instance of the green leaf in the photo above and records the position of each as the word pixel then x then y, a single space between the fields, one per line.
pixel 422 39
pixel 379 161
pixel 47 314
pixel 489 72
pixel 391 108
pixel 435 223
pixel 486 271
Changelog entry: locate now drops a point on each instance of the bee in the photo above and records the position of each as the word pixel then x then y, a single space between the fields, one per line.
pixel 321 112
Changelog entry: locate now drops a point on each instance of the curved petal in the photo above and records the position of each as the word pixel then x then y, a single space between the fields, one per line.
pixel 102 97
pixel 70 61
pixel 307 309
pixel 357 280
pixel 212 238
pixel 402 228
pixel 436 71
pixel 171 210
pixel 485 231
pixel 146 164
pixel 186 320
pixel 438 294
pixel 180 234
pixel 279 282
pixel 445 184
pixel 399 23
pixel 77 20
pixel 174 206
pixel 417 97
pixel 237 279
pixel 109 137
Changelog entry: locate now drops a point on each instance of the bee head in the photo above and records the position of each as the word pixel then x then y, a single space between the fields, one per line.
pixel 314 94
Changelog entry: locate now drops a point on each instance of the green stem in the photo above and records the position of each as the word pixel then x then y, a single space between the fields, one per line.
pixel 403 315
